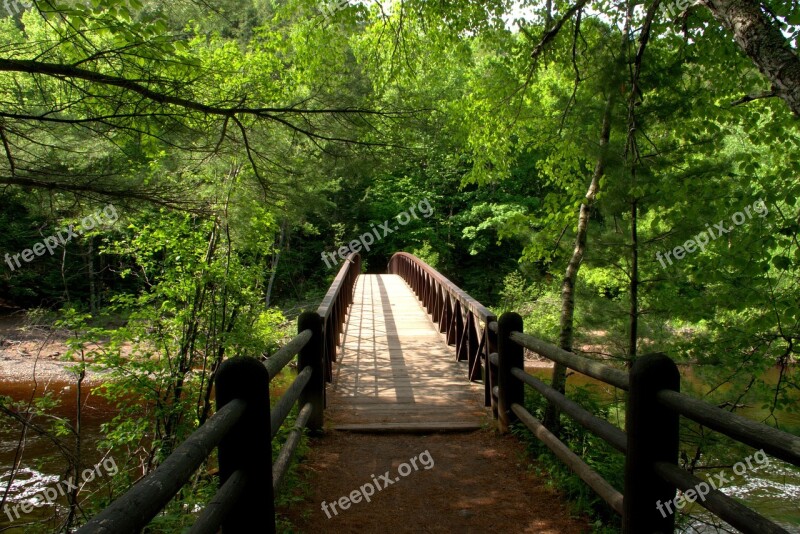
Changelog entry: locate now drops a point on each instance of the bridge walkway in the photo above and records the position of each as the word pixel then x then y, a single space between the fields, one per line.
pixel 395 372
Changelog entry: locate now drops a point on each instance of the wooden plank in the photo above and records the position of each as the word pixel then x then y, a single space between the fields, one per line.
pixel 383 411
pixel 366 381
pixel 412 428
pixel 395 372
pixel 356 400
pixel 405 415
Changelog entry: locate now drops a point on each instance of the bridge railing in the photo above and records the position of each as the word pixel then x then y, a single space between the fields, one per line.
pixel 654 404
pixel 651 440
pixel 333 309
pixel 243 429
pixel 462 319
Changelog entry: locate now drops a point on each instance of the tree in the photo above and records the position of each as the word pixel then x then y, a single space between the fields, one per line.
pixel 764 43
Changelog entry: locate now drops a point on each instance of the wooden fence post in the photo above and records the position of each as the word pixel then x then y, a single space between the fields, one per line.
pixel 248 446
pixel 653 436
pixel 312 355
pixel 509 389
pixel 490 371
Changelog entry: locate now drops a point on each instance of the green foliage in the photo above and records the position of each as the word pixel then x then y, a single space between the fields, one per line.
pixel 607 462
pixel 347 119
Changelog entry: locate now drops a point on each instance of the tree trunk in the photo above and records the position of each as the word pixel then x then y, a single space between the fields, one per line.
pixel 276 257
pixel 634 286
pixel 632 155
pixel 72 497
pixel 551 419
pixel 93 298
pixel 763 43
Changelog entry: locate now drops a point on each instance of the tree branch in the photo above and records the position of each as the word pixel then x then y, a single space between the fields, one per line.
pixel 764 44
pixel 750 98
pixel 553 32
pixel 66 71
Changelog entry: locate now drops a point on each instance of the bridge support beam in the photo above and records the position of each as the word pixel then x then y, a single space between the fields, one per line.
pixel 509 389
pixel 248 446
pixel 653 436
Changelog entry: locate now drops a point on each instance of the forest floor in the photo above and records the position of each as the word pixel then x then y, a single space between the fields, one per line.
pixel 477 482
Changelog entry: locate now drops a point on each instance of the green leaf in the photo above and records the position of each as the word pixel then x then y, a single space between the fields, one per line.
pixel 782 262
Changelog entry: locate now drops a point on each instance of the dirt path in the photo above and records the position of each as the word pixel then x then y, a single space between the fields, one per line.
pixel 466 482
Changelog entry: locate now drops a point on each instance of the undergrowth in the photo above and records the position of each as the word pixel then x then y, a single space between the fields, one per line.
pixel 600 456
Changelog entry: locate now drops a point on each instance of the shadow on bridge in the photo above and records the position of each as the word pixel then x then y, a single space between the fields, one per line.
pixel 394 372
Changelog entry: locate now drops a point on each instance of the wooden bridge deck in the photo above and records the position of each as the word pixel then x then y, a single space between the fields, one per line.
pixel 395 372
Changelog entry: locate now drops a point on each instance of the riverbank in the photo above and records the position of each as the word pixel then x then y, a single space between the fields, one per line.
pixel 32 353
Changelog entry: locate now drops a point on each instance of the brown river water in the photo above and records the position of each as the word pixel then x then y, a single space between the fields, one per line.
pixel 42 468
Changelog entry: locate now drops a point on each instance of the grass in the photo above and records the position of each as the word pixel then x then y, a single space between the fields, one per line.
pixel 600 456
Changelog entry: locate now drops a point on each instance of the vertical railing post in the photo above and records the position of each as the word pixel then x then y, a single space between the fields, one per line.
pixel 452 327
pixel 461 333
pixel 653 435
pixel 490 371
pixel 247 447
pixel 473 354
pixel 444 319
pixel 330 347
pixel 312 356
pixel 510 389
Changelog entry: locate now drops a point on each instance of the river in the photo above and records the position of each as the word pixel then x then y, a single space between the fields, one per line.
pixel 41 464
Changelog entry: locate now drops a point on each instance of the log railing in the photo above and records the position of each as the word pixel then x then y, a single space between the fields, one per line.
pixel 651 438
pixel 243 428
pixel 654 404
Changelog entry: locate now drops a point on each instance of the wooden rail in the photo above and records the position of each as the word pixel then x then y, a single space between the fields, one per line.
pixel 462 320
pixel 243 428
pixel 653 407
pixel 333 309
pixel 651 440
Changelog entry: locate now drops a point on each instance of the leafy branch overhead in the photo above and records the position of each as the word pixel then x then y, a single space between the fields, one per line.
pixel 757 32
pixel 112 79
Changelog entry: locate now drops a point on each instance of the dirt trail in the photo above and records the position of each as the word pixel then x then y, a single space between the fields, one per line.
pixel 478 482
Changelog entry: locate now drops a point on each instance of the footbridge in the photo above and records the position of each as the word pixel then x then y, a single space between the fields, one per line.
pixel 409 351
